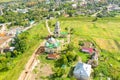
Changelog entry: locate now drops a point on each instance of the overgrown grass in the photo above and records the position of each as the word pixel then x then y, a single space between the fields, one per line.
pixel 105 32
pixel 37 34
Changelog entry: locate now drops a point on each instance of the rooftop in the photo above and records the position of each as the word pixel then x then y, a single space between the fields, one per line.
pixel 82 71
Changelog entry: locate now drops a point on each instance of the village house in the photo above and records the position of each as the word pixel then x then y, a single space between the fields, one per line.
pixel 22 10
pixel 112 7
pixel 74 5
pixel 83 3
pixel 94 56
pixel 94 59
pixel 3 30
pixel 82 71
pixel 87 47
pixel 53 56
pixel 7 49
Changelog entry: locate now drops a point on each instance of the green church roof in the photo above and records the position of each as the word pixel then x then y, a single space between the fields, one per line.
pixel 55 45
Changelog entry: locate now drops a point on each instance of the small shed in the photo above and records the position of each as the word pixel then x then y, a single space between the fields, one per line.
pixel 53 56
pixel 82 71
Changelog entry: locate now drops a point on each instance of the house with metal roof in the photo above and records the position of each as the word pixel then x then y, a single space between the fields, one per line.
pixel 52 45
pixel 82 71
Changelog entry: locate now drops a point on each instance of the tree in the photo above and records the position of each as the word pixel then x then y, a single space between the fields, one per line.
pixel 71 12
pixel 70 47
pixel 2 19
pixel 58 73
pixel 81 43
pixel 20 42
pixel 95 19
pixel 70 56
pixel 62 61
pixel 5 63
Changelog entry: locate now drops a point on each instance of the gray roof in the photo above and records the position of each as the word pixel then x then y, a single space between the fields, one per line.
pixel 82 71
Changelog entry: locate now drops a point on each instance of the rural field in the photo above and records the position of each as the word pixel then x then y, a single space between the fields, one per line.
pixel 105 34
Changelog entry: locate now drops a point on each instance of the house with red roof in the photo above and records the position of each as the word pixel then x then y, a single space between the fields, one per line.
pixel 87 50
pixel 87 47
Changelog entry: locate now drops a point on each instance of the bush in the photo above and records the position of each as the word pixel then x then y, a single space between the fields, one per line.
pixel 62 61
pixel 81 43
pixel 70 47
pixel 59 72
pixel 5 63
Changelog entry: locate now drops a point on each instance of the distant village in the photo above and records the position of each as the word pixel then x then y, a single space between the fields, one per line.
pixel 8 35
pixel 75 5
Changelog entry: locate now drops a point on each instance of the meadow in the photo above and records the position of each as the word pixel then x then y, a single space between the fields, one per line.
pixel 104 32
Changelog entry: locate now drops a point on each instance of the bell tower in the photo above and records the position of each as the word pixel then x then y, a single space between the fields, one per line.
pixel 57 29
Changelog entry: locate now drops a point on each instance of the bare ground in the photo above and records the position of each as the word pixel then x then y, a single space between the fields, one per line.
pixel 41 72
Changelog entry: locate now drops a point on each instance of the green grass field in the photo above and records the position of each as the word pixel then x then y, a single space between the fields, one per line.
pixel 21 60
pixel 105 33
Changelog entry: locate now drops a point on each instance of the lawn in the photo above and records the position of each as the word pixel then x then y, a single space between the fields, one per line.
pixel 105 34
pixel 37 34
